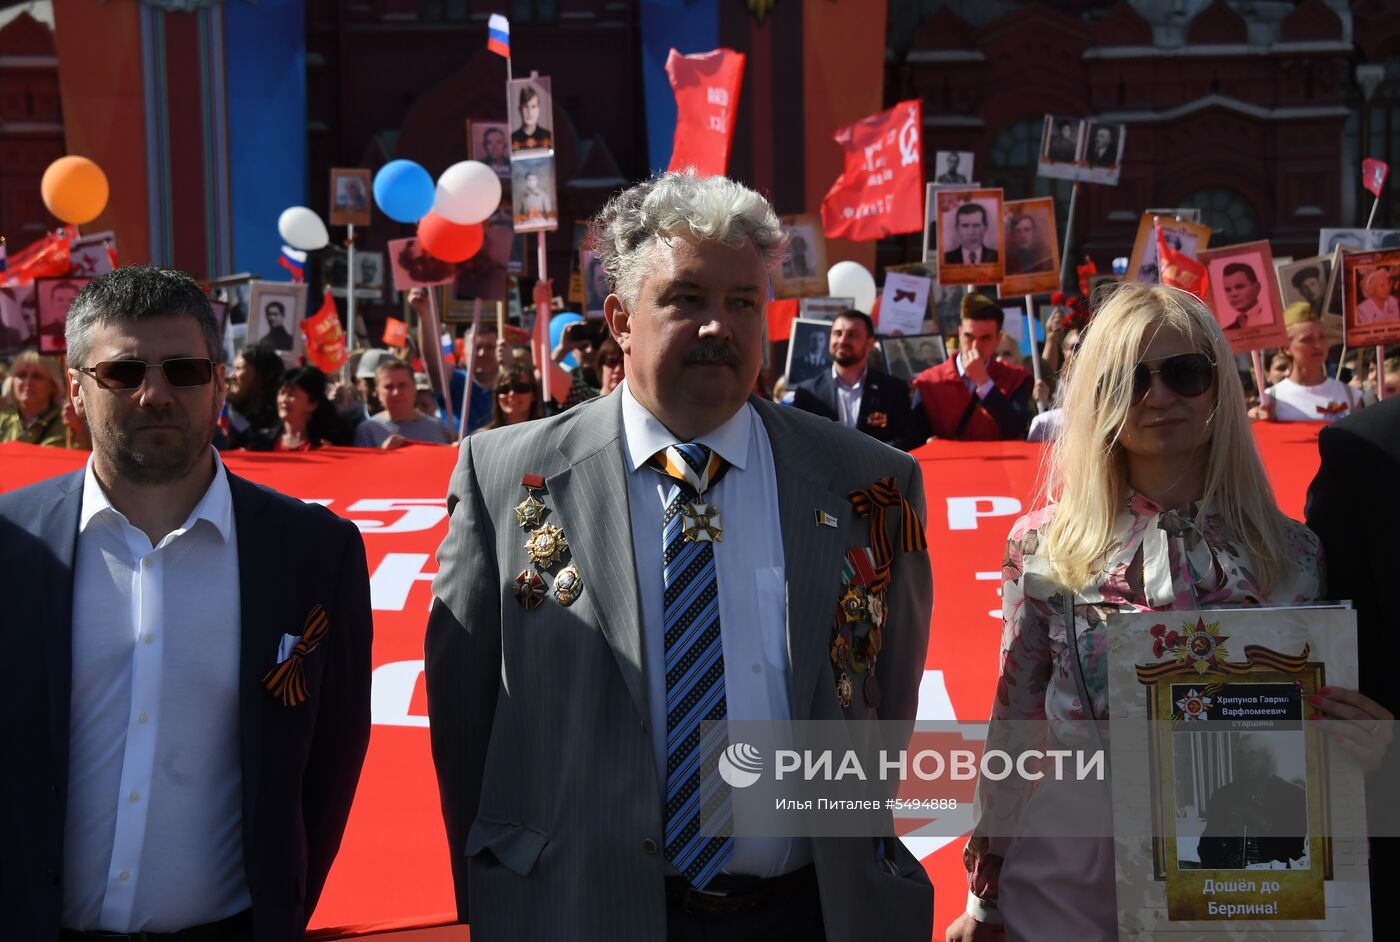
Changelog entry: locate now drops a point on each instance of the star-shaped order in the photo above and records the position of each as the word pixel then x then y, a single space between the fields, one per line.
pixel 700 523
pixel 546 546
pixel 530 511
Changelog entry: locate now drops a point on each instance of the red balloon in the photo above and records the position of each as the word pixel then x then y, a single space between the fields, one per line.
pixel 447 241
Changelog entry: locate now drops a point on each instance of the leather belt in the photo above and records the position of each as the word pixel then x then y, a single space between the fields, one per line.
pixel 728 893
pixel 233 929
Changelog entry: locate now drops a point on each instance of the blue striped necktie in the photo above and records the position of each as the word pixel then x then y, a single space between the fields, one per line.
pixel 699 817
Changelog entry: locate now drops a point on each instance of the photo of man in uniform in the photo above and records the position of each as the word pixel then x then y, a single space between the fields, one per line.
pixel 276 336
pixel 1027 250
pixel 530 134
pixel 1311 285
pixel 951 173
pixel 1063 142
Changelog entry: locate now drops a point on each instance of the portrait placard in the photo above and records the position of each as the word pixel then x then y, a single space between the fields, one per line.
pixel 1228 816
pixel 1102 162
pixel 1244 295
pixel 595 283
pixel 536 207
pixel 1186 237
pixel 803 274
pixel 1306 280
pixel 1032 263
pixel 350 189
pixel 969 236
pixel 953 167
pixel 908 356
pixel 414 268
pixel 1372 312
pixel 930 255
pixel 55 296
pixel 808 352
pixel 1061 144
pixel 275 313
pixel 19 318
pixel 484 275
pixel 1357 240
pixel 531 108
pixel 489 142
pixel 823 308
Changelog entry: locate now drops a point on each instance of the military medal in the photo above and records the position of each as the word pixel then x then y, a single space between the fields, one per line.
pixel 530 511
pixel 871 689
pixel 529 589
pixel 568 585
pixel 700 523
pixel 853 604
pixel 844 689
pixel 546 546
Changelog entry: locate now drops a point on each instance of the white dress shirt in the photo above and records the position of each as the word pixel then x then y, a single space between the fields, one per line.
pixel 153 839
pixel 848 397
pixel 752 592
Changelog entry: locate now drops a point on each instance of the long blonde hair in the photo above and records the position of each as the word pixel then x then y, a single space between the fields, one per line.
pixel 1086 474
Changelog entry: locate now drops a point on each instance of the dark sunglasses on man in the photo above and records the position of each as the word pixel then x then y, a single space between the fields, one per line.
pixel 1186 374
pixel 180 372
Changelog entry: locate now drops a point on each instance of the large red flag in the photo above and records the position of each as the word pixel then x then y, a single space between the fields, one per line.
pixel 1373 174
pixel 48 257
pixel 881 191
pixel 1179 270
pixel 325 340
pixel 707 100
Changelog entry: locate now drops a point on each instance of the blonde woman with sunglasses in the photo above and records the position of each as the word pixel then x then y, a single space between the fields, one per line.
pixel 1154 499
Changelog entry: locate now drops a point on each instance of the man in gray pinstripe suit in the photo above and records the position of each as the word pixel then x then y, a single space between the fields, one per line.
pixel 567 679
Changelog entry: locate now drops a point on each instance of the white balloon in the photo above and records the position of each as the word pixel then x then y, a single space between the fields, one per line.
pixel 302 229
pixel 852 280
pixel 467 192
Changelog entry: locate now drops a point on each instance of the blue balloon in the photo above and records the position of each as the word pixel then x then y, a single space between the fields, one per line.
pixel 404 191
pixel 557 323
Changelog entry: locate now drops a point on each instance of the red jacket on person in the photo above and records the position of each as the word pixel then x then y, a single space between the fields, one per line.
pixel 941 397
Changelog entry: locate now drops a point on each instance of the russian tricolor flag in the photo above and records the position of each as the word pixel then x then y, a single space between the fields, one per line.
pixel 294 261
pixel 498 35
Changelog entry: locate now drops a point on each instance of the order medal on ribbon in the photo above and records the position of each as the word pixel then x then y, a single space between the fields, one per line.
pixel 700 523
pixel 529 589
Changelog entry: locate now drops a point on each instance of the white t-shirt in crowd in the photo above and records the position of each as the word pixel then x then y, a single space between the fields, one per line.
pixel 1328 401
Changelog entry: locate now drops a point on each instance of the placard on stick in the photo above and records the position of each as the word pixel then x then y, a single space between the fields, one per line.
pixel 1032 261
pixel 1372 310
pixel 969 236
pixel 1244 295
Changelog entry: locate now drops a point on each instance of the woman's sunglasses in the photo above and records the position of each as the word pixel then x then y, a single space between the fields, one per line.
pixel 504 388
pixel 1186 374
pixel 183 372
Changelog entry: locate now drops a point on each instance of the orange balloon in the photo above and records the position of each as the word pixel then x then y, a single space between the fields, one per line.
pixel 75 189
pixel 448 241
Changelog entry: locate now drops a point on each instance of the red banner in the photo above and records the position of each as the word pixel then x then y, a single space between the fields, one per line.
pixel 707 101
pixel 1179 270
pixel 881 191
pixel 325 340
pixel 974 490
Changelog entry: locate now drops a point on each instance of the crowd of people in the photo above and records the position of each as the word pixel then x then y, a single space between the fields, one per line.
pixel 569 678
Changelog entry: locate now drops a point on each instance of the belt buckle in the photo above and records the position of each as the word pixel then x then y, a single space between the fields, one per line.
pixel 698 902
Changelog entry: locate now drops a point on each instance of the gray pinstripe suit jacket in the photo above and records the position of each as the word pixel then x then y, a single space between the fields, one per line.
pixel 540 718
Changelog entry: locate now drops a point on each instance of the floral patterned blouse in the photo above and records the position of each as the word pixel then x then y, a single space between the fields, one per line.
pixel 1166 559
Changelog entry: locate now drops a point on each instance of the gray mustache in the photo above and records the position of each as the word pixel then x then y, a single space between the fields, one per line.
pixel 712 353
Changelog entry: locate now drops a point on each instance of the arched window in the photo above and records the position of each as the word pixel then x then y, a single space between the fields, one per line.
pixel 1230 216
pixel 1011 162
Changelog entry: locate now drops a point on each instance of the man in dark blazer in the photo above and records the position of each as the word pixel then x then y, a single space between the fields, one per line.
pixel 580 798
pixel 970 225
pixel 1352 504
pixel 184 698
pixel 973 396
pixel 858 397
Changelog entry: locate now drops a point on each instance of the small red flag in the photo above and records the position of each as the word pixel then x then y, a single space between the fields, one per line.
pixel 325 340
pixel 112 254
pixel 881 191
pixel 1179 270
pixel 395 332
pixel 707 100
pixel 1373 174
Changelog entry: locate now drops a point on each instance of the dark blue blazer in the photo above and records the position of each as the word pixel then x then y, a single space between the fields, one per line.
pixel 885 397
pixel 300 764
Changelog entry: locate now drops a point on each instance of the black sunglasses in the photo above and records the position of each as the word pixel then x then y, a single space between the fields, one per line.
pixel 504 388
pixel 130 374
pixel 1186 374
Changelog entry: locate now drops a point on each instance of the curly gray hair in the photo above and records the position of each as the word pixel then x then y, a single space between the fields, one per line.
pixel 680 203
